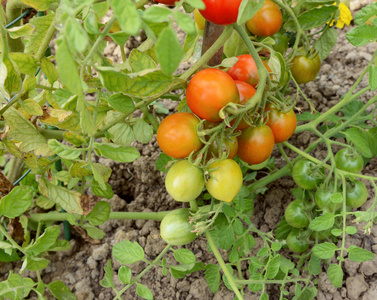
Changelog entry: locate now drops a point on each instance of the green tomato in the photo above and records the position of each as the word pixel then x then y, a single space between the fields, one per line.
pixel 323 201
pixel 175 228
pixel 305 69
pixel 294 244
pixel 184 181
pixel 356 194
pixel 306 175
pixel 295 215
pixel 347 160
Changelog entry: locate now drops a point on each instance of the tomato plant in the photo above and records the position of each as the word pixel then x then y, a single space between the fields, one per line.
pixel 255 144
pixel 225 179
pixel 177 135
pixel 356 194
pixel 347 160
pixel 246 70
pixel 184 181
pixel 209 91
pixel 267 21
pixel 295 214
pixel 221 12
pixel 175 228
pixel 305 68
pixel 306 174
pixel 295 244
pixel 282 124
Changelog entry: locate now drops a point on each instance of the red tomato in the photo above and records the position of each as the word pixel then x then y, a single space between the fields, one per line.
pixel 209 91
pixel 246 93
pixel 282 124
pixel 267 21
pixel 255 144
pixel 167 2
pixel 177 135
pixel 221 12
pixel 246 70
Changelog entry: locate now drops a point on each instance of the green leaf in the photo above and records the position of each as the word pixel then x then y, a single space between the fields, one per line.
pixel 325 250
pixel 9 76
pixel 107 281
pixel 87 121
pixel 157 14
pixel 44 242
pixel 127 15
pixel 41 5
pixel 355 137
pixel 336 198
pixel 16 202
pixel 212 276
pixel 143 292
pixel 185 22
pixel 61 291
pixel 69 200
pixel 373 77
pixel 351 230
pixel 60 245
pixel 32 107
pixel 285 264
pixel 139 61
pixel 366 13
pixel 196 3
pixel 98 191
pixel 29 84
pixel 315 267
pixel 313 18
pixel 64 151
pixel 273 267
pixel 90 24
pixel 326 42
pixel 121 103
pixel 36 263
pixel 25 62
pixel 248 9
pixel 336 232
pixel 6 257
pixel 335 274
pixel 184 256
pixel 44 202
pixel 162 161
pixel 358 254
pixel 143 131
pixel 323 222
pixel 125 274
pixel 94 232
pixel 362 35
pixel 127 252
pixel 282 230
pixel 76 36
pixel 49 70
pixel 118 153
pixel 123 134
pixel 99 214
pixel 168 51
pixel 19 31
pixel 229 211
pixel 74 138
pixel 264 296
pixel 41 24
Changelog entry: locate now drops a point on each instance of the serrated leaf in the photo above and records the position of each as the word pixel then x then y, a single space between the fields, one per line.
pixel 323 222
pixel 325 250
pixel 351 230
pixel 366 13
pixel 32 107
pixel 185 22
pixel 315 267
pixel 273 267
pixel 98 191
pixel 36 263
pixel 336 232
pixel 127 252
pixel 94 232
pixel 123 134
pixel 212 276
pixel 247 10
pixel 107 281
pixel 76 36
pixel 49 70
pixel 358 254
pixel 162 161
pixel 139 61
pixel 335 274
pixel 355 137
pixel 326 42
pixel 156 14
pixel 362 35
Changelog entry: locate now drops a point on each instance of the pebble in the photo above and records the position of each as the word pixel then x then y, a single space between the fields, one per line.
pixel 101 252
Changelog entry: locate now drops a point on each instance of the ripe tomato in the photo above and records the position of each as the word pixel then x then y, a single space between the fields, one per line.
pixel 199 19
pixel 221 12
pixel 356 194
pixel 184 181
pixel 177 135
pixel 209 91
pixel 166 2
pixel 246 93
pixel 267 21
pixel 246 70
pixel 283 125
pixel 323 201
pixel 255 144
pixel 305 69
pixel 294 244
pixel 175 228
pixel 348 160
pixel 225 179
pixel 306 175
pixel 229 145
pixel 295 215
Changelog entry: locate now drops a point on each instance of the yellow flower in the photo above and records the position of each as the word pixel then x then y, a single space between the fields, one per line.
pixel 345 16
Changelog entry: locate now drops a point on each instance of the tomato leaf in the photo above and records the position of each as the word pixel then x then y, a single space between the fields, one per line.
pixel 16 202
pixel 322 222
pixel 127 252
pixel 373 77
pixel 118 153
pixel 326 42
pixel 313 18
pixel 248 9
pixel 366 13
pixel 60 291
pixel 335 274
pixel 99 214
pixel 362 35
pixel 273 267
pixel 184 256
pixel 127 15
pixel 355 137
pixel 358 254
pixel 44 242
pixel 325 250
pixel 315 265
pixel 212 276
pixel 157 14
pixel 125 274
pixel 143 292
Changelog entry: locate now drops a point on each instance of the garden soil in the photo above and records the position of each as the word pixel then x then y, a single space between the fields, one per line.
pixel 139 186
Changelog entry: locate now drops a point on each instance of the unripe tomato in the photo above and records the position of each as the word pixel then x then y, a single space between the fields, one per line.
pixel 295 215
pixel 184 181
pixel 305 69
pixel 199 19
pixel 177 135
pixel 175 228
pixel 267 21
pixel 246 70
pixel 356 194
pixel 347 160
pixel 283 125
pixel 306 174
pixel 166 2
pixel 209 91
pixel 246 93
pixel 294 244
pixel 225 179
pixel 322 199
pixel 221 12
pixel 255 144
pixel 229 145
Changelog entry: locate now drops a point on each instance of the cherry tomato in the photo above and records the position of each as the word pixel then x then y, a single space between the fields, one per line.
pixel 209 91
pixel 267 21
pixel 246 93
pixel 246 70
pixel 348 160
pixel 282 124
pixel 304 69
pixel 306 175
pixel 177 135
pixel 323 201
pixel 184 181
pixel 166 2
pixel 221 12
pixel 294 244
pixel 255 144
pixel 175 228
pixel 356 194
pixel 281 42
pixel 295 215
pixel 199 19
pixel 225 179
pixel 229 145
